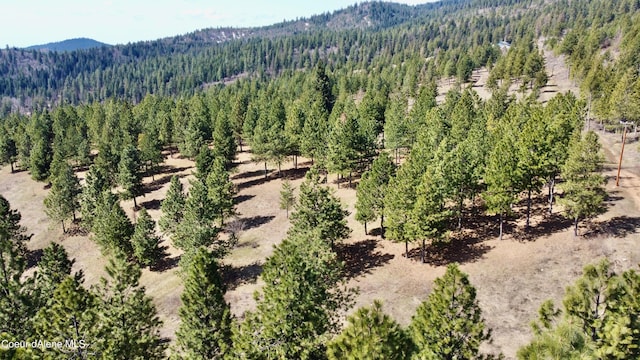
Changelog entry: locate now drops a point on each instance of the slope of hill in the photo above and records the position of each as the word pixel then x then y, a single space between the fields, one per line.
pixel 183 64
pixel 69 45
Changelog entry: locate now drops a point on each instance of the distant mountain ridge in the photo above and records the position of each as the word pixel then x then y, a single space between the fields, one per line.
pixel 367 15
pixel 69 45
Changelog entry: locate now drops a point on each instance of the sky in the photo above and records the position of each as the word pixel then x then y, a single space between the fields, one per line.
pixel 34 22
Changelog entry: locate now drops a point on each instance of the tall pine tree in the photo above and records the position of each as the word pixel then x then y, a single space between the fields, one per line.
pixel 172 207
pixel 319 209
pixel 370 335
pixel 130 174
pixel 584 185
pixel 206 322
pixel 15 299
pixel 129 326
pixel 449 324
pixel 145 241
pixel 62 201
pixel 372 189
pixel 300 304
pixel 96 182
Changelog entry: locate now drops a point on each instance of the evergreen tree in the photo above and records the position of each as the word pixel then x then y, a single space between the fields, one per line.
pixel 397 127
pixel 429 217
pixel 145 242
pixel 224 141
pixel 238 115
pixel 464 69
pixel 40 160
pixel 344 143
pixel 318 209
pixel 464 168
pixel 15 299
pixel 130 174
pixel 53 268
pixel 625 98
pixel 287 198
pixel 220 190
pixel 8 149
pixel 204 162
pixel 41 153
pixel 293 128
pixel 372 189
pixel 70 315
pixel 96 183
pixel 112 227
pixel 198 227
pixel 165 128
pixel 371 334
pixel 62 201
pixel 205 327
pixel 449 324
pixel 531 154
pixel 583 187
pixel 299 305
pixel 313 142
pixel 322 87
pixel 365 212
pixel 250 121
pixel 129 325
pixel 399 203
pixel 500 177
pixel 270 142
pixel 196 131
pixel 172 207
pixel 599 319
pixel 150 146
pixel 563 114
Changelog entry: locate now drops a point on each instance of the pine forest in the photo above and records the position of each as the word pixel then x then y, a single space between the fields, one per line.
pixel 438 181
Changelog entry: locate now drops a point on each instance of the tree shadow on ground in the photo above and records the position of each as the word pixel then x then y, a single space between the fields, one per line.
pixel 467 249
pixel 612 196
pixel 242 224
pixel 76 229
pixel 242 198
pixel 361 257
pixel 254 182
pixel 234 276
pixel 250 174
pixel 551 224
pixel 294 174
pixel 159 182
pixel 165 263
pixel 151 204
pixel 619 227
pixel 288 174
pixel 376 232
pixel 169 169
pixel 343 182
pixel 33 257
pixel 483 226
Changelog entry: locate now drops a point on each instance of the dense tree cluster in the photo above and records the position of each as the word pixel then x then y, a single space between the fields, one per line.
pixel 112 319
pixel 371 34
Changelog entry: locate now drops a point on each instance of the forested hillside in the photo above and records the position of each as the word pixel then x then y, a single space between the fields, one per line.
pixel 170 160
pixel 454 32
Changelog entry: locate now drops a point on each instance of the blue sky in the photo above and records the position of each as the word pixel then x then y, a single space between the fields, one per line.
pixel 32 22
